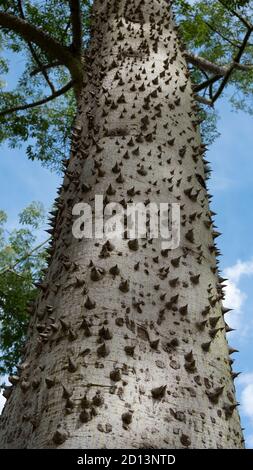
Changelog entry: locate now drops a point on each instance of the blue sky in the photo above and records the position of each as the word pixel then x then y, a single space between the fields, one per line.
pixel 231 160
pixel 231 157
pixel 23 181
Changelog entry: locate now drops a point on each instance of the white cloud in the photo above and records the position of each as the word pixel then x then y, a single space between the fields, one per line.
pixel 4 380
pixel 235 297
pixel 234 273
pixel 2 402
pixel 245 379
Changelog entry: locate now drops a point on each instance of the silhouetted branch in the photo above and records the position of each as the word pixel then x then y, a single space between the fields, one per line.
pixel 207 83
pixel 47 43
pixel 45 67
pixel 76 21
pixel 33 52
pixel 38 103
pixel 238 15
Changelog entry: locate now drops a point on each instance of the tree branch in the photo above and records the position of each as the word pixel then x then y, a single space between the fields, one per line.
pixel 45 100
pixel 207 83
pixel 56 63
pixel 236 61
pixel 224 72
pixel 238 15
pixel 210 88
pixel 221 35
pixel 203 100
pixel 243 47
pixel 244 67
pixel 205 64
pixel 33 52
pixel 46 42
pixel 76 22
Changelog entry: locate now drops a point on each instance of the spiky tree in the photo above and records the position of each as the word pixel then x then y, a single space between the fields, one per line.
pixel 127 342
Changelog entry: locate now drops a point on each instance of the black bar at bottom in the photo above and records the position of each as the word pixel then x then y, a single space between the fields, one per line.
pixel 106 458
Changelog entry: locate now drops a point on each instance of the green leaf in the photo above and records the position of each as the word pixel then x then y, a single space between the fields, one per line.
pixel 19 270
pixel 33 215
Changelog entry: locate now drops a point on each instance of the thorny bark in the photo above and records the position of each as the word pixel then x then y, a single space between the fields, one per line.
pixel 134 356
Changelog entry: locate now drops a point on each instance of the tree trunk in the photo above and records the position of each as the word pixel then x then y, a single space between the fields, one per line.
pixel 134 357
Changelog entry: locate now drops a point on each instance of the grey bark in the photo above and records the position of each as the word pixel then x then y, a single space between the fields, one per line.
pixel 146 365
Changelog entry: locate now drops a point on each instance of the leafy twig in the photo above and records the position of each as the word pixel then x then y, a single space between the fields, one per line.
pixel 26 256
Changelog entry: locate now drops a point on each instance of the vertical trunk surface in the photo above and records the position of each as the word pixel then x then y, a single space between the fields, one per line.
pixel 136 356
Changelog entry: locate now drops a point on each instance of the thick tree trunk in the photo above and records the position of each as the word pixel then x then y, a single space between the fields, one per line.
pixel 142 363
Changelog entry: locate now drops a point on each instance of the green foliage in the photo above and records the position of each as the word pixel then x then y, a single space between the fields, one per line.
pixel 236 3
pixel 18 273
pixel 32 215
pixel 213 31
pixel 207 27
pixel 45 130
pixel 209 128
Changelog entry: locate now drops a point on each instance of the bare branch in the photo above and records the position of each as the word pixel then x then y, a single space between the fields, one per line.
pixel 45 67
pixel 221 35
pixel 242 48
pixel 224 72
pixel 203 100
pixel 76 22
pixel 207 83
pixel 235 61
pixel 210 88
pixel 45 100
pixel 244 67
pixel 238 15
pixel 205 64
pixel 47 43
pixel 33 52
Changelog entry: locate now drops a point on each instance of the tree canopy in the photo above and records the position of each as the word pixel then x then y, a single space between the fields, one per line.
pixel 21 264
pixel 51 36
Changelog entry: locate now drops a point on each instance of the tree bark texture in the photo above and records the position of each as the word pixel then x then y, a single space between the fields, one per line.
pixel 127 343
